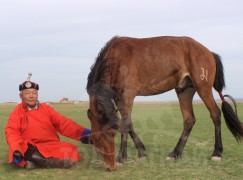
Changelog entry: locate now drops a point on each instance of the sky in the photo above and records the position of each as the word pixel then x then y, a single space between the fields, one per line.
pixel 59 40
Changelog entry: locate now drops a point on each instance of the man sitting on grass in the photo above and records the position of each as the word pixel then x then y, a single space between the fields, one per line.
pixel 31 133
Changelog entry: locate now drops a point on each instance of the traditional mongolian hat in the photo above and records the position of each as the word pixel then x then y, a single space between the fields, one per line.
pixel 28 84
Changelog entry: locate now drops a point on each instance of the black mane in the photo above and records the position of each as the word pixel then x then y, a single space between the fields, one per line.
pixel 98 67
pixel 104 95
pixel 105 105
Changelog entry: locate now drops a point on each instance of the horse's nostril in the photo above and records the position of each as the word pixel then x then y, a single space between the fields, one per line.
pixel 108 169
pixel 111 168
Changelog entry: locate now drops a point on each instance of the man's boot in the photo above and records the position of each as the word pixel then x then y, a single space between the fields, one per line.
pixel 30 165
pixel 40 161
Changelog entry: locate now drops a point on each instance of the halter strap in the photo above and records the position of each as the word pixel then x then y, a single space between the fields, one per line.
pixel 102 152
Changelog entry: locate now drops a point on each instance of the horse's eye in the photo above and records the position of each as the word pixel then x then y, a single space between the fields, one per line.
pixel 96 140
pixel 101 114
pixel 112 134
pixel 102 117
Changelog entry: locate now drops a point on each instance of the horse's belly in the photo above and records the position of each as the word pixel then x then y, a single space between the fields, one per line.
pixel 150 88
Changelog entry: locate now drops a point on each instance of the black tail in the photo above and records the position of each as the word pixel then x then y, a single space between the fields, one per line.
pixel 219 82
pixel 232 121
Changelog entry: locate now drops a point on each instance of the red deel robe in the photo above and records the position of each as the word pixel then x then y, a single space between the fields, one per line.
pixel 39 128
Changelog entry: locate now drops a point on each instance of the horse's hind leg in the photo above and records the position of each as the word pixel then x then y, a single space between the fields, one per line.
pixel 215 113
pixel 185 98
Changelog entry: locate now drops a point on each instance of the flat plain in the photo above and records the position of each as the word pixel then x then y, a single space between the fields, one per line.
pixel 159 125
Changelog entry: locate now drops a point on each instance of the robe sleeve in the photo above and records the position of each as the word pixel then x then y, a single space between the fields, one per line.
pixel 13 136
pixel 66 126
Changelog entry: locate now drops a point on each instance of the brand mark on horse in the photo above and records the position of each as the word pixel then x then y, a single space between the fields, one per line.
pixel 204 74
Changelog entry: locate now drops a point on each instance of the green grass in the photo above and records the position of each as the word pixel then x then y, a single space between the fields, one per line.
pixel 159 126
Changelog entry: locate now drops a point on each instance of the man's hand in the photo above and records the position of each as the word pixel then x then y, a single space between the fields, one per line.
pixel 17 157
pixel 85 138
pixel 17 154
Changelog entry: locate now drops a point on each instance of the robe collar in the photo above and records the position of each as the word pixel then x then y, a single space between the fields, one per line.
pixel 27 108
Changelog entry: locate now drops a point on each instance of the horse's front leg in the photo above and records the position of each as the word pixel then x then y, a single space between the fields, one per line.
pixel 125 108
pixel 123 145
pixel 138 143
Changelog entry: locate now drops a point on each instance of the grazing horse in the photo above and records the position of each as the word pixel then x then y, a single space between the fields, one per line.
pixel 130 67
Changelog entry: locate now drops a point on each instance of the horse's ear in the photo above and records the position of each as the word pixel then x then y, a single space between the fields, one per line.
pixel 89 114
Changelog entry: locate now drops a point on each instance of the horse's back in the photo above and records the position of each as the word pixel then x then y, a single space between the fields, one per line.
pixel 156 49
pixel 155 65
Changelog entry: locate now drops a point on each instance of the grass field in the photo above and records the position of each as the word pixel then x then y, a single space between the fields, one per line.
pixel 159 126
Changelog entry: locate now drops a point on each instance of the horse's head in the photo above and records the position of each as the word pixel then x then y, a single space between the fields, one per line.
pixel 104 124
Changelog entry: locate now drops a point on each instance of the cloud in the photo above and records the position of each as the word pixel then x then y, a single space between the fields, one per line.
pixel 59 40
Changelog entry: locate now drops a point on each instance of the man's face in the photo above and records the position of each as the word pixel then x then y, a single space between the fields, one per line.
pixel 29 97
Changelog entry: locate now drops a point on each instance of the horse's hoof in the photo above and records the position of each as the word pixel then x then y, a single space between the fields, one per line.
pixel 168 158
pixel 118 164
pixel 141 159
pixel 119 160
pixel 216 158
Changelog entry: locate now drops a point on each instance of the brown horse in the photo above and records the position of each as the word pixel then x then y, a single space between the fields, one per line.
pixel 130 67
